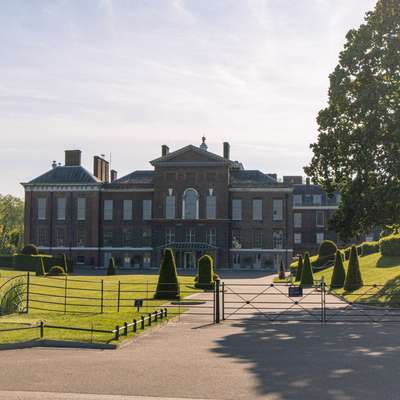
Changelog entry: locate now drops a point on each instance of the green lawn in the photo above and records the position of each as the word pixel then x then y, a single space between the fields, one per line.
pixel 84 304
pixel 375 270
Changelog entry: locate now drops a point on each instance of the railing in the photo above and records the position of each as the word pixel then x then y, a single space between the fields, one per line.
pixel 136 324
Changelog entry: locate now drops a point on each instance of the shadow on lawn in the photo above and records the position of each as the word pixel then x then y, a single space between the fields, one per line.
pixel 310 361
pixel 387 262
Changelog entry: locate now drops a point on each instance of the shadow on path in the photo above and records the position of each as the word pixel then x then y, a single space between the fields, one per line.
pixel 310 361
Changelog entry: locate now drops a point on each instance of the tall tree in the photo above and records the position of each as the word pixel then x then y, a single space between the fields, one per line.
pixel 11 223
pixel 358 147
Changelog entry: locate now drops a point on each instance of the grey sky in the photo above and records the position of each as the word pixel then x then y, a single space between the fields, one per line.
pixel 125 76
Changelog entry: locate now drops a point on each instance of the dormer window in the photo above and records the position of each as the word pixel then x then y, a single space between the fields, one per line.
pixel 190 208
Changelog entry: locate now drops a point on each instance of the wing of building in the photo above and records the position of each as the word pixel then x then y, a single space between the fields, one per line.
pixel 191 200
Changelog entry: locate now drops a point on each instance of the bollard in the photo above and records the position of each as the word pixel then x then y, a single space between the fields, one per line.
pixel 155 316
pixel 142 321
pixel 134 325
pixel 117 332
pixel 125 329
pixel 161 314
pixel 41 329
pixel 149 319
pixel 166 312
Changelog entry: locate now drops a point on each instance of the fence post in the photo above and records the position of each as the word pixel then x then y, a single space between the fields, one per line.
pixel 134 325
pixel 142 321
pixel 223 301
pixel 27 291
pixel 155 316
pixel 166 312
pixel 125 329
pixel 217 307
pixel 117 332
pixel 41 329
pixel 322 286
pixel 119 294
pixel 149 319
pixel 161 314
pixel 65 294
pixel 102 297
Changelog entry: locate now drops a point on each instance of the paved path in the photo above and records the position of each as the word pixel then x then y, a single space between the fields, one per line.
pixel 245 359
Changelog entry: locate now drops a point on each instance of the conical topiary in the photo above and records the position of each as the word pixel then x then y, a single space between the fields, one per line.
pixel 111 267
pixel 168 285
pixel 353 279
pixel 307 278
pixel 205 278
pixel 338 274
pixel 282 274
pixel 299 268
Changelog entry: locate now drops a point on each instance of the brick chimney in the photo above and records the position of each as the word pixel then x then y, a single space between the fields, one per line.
pixel 101 168
pixel 164 150
pixel 227 150
pixel 72 158
pixel 114 175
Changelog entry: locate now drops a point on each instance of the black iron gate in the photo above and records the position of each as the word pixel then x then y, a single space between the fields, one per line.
pixel 283 302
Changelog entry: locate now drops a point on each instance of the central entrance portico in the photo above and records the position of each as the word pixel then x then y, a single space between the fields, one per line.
pixel 187 253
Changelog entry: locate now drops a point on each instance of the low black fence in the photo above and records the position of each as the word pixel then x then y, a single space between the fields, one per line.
pixel 120 330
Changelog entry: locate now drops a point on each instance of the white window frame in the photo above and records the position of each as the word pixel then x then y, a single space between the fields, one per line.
pixel 236 209
pixel 127 210
pixel 170 208
pixel 317 199
pixel 319 237
pixel 275 237
pixel 81 209
pixel 297 220
pixel 297 238
pixel 41 208
pixel 257 210
pixel 297 200
pixel 277 209
pixel 169 235
pixel 185 214
pixel 108 210
pixel 319 212
pixel 61 208
pixel 147 209
pixel 211 207
pixel 211 236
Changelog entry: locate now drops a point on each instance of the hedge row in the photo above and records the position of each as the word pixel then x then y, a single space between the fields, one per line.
pixel 390 245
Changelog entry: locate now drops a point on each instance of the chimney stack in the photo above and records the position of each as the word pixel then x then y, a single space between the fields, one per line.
pixel 72 158
pixel 101 169
pixel 227 149
pixel 114 175
pixel 164 150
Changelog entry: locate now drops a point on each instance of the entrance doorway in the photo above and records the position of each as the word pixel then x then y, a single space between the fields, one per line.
pixel 189 260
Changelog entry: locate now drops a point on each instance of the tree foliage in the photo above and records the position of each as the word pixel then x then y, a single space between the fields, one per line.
pixel 11 223
pixel 358 147
pixel 307 277
pixel 338 274
pixel 353 279
pixel 299 268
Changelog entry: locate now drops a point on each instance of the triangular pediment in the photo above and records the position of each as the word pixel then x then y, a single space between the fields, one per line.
pixel 190 154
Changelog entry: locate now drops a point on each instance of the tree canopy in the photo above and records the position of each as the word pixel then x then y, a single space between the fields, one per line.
pixel 11 223
pixel 358 148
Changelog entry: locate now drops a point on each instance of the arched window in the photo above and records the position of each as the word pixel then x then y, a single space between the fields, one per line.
pixel 190 204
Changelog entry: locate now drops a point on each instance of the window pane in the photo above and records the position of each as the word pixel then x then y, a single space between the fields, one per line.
pixel 258 240
pixel 257 210
pixel 277 210
pixel 41 208
pixel 108 210
pixel 317 199
pixel 297 220
pixel 61 203
pixel 127 210
pixel 277 238
pixel 147 211
pixel 211 207
pixel 81 213
pixel 297 200
pixel 237 209
pixel 190 204
pixel 297 238
pixel 320 238
pixel 319 218
pixel 170 207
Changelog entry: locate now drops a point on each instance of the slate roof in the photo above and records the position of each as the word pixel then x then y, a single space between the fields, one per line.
pixel 251 178
pixel 66 174
pixel 136 177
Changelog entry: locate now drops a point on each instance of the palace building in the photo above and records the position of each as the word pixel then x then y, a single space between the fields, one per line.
pixel 191 200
